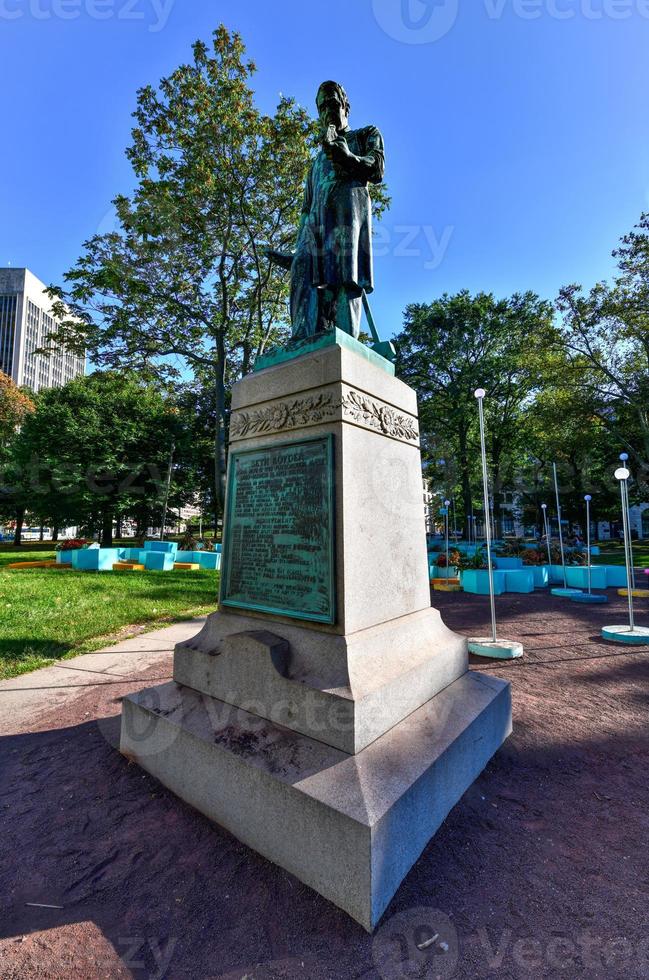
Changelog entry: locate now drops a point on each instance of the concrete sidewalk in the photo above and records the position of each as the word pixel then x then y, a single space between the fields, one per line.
pixel 25 698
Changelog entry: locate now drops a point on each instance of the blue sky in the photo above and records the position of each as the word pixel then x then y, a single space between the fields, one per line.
pixel 515 130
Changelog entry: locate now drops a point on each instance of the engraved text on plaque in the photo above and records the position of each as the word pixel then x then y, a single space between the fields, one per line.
pixel 279 531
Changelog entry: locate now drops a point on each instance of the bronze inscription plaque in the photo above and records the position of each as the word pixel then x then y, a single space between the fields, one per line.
pixel 279 530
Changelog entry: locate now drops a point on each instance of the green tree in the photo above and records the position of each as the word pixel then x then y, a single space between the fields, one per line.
pixel 96 448
pixel 184 276
pixel 456 344
pixel 606 339
pixel 562 425
pixel 15 406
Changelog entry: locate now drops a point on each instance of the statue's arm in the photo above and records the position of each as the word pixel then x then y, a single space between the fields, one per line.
pixel 285 259
pixel 370 166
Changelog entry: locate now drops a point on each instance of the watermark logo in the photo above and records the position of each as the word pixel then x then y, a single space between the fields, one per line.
pixel 420 942
pixel 416 21
pixel 153 13
pixel 427 21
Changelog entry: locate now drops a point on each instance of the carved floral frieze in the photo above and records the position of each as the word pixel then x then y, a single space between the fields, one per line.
pixel 312 409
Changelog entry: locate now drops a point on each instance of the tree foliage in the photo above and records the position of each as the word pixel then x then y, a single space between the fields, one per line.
pixel 457 344
pixel 216 181
pixel 95 449
pixel 15 405
pixel 606 340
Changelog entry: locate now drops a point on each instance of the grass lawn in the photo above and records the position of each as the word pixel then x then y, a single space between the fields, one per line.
pixel 612 553
pixel 48 615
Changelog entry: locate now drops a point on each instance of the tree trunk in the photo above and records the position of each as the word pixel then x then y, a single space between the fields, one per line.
pixel 41 533
pixel 220 455
pixel 18 533
pixel 107 529
pixel 55 534
pixel 465 481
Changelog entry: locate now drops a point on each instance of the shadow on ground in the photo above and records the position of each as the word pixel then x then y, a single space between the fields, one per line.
pixel 541 867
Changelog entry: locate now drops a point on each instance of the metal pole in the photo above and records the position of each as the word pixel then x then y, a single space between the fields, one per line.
pixel 624 457
pixel 563 557
pixel 588 499
pixel 544 508
pixel 446 506
pixel 479 394
pixel 169 470
pixel 628 523
pixel 622 475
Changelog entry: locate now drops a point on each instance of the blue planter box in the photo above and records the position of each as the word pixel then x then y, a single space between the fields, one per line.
pixel 508 564
pixel 158 561
pixel 615 576
pixel 132 554
pixel 519 580
pixel 65 557
pixel 541 575
pixel 168 547
pixel 476 581
pixel 95 559
pixel 578 577
pixel 450 572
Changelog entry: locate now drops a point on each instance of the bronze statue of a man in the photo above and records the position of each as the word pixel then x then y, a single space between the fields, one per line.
pixel 332 263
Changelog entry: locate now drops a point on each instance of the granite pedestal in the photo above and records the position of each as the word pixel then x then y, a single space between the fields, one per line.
pixel 324 715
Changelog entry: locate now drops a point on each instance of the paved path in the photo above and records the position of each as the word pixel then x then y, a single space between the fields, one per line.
pixel 23 699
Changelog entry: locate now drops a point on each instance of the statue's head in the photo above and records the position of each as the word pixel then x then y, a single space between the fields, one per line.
pixel 333 105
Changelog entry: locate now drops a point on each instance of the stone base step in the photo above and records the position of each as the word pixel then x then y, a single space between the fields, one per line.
pixel 349 826
pixel 128 566
pixel 186 566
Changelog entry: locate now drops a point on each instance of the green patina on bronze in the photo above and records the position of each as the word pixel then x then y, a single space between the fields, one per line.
pixel 297 348
pixel 279 546
pixel 331 267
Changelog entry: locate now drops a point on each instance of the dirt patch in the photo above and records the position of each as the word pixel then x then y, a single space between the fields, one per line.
pixel 541 869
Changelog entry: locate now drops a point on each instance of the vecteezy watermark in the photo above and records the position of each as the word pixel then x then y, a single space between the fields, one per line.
pixel 413 242
pixel 154 13
pixel 560 951
pixel 147 956
pixel 420 942
pixel 567 9
pixel 427 21
pixel 416 21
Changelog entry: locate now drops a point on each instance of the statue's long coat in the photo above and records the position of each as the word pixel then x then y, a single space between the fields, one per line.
pixel 337 233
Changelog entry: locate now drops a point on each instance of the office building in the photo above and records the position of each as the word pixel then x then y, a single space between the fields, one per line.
pixel 25 322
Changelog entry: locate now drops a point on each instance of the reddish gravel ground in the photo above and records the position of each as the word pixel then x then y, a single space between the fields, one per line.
pixel 540 871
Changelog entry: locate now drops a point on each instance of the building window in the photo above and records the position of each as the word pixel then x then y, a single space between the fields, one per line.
pixel 7 332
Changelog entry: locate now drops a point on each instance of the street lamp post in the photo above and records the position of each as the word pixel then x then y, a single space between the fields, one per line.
pixel 446 506
pixel 544 508
pixel 564 591
pixel 563 557
pixel 588 499
pixel 631 633
pixel 490 646
pixel 624 458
